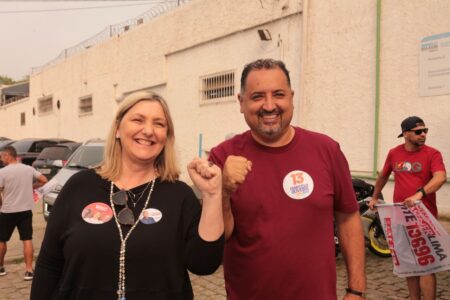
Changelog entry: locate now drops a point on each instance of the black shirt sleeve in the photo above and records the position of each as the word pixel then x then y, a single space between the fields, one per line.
pixel 201 257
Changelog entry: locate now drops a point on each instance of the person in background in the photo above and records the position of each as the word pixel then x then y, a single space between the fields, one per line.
pixel 283 187
pixel 137 260
pixel 419 171
pixel 16 183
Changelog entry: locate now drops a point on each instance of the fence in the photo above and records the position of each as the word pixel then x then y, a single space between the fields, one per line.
pixel 110 31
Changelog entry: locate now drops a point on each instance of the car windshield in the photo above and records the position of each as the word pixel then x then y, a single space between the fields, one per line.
pixel 54 153
pixel 86 156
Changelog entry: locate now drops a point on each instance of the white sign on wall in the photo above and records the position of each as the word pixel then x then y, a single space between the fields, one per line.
pixel 434 72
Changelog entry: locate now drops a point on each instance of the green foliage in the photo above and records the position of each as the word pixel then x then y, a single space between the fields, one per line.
pixel 6 80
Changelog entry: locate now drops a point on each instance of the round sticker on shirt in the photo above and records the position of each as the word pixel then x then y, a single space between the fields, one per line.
pixel 150 216
pixel 97 213
pixel 298 185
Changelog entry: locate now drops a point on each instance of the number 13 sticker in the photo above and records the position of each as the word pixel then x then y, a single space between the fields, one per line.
pixel 298 185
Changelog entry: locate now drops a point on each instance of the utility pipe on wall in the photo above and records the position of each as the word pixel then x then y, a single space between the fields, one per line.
pixel 377 91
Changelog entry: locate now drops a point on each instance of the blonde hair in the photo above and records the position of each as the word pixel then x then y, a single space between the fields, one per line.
pixel 165 162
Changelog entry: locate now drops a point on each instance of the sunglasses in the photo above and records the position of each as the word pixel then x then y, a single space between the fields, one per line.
pixel 125 215
pixel 419 131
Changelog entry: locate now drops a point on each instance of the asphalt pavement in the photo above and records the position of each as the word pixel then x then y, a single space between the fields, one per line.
pixel 381 283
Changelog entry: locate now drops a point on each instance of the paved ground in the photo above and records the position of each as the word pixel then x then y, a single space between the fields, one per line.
pixel 382 284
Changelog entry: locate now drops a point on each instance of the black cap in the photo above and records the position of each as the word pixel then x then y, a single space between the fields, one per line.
pixel 410 123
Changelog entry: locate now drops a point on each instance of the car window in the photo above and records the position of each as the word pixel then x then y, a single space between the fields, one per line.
pixel 39 146
pixel 5 143
pixel 86 156
pixel 54 153
pixel 22 146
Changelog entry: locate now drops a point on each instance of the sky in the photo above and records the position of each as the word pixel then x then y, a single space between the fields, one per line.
pixel 31 37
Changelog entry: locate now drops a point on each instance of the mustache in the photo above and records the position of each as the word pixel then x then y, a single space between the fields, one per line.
pixel 264 113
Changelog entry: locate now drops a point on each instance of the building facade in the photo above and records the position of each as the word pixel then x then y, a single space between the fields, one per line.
pixel 354 69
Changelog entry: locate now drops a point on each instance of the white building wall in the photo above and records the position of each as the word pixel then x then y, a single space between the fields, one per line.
pixel 10 116
pixel 338 95
pixel 338 86
pixel 137 60
pixel 215 121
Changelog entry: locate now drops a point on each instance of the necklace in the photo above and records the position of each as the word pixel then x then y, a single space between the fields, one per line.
pixel 133 196
pixel 123 241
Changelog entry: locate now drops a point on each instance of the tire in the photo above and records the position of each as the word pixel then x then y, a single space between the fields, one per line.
pixel 377 242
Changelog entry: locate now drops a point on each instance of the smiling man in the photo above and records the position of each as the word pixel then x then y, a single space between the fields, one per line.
pixel 282 188
pixel 419 172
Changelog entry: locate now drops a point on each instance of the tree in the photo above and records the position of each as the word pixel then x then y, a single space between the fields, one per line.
pixel 6 80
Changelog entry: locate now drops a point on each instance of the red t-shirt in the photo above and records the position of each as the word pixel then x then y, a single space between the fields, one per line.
pixel 282 246
pixel 412 170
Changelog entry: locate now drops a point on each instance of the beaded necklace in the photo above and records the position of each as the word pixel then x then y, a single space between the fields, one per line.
pixel 123 241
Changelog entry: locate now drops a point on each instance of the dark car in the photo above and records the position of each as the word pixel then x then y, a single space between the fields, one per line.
pixel 53 158
pixel 29 149
pixel 88 155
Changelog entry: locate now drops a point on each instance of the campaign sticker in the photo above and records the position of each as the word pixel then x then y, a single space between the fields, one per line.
pixel 97 213
pixel 298 185
pixel 150 216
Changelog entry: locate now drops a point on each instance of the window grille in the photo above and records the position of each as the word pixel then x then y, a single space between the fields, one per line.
pixel 45 105
pixel 22 119
pixel 85 105
pixel 218 87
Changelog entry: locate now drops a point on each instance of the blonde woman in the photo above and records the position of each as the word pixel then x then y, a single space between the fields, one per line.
pixel 122 257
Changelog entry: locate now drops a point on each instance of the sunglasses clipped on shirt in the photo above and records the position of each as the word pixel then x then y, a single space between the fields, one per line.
pixel 419 131
pixel 125 215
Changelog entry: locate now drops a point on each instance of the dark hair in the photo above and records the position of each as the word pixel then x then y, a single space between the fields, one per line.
pixel 10 150
pixel 260 64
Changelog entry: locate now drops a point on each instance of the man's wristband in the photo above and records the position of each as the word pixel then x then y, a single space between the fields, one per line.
pixel 357 293
pixel 422 190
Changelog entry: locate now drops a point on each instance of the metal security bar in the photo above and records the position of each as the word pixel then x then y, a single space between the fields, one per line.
pixel 85 105
pixel 217 87
pixel 45 105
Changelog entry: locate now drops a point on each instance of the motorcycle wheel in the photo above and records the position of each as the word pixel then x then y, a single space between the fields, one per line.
pixel 377 242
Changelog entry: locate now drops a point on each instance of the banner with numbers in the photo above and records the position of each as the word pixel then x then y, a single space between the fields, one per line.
pixel 418 242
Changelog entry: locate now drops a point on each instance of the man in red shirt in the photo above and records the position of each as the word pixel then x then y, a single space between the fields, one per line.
pixel 419 172
pixel 283 186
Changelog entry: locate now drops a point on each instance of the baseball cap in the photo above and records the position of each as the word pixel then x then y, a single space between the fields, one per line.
pixel 411 122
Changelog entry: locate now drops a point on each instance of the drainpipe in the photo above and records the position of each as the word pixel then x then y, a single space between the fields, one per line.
pixel 377 92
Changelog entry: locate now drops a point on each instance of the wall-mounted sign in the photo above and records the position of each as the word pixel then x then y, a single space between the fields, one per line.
pixel 434 72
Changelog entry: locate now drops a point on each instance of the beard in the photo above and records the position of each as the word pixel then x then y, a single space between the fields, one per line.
pixel 272 130
pixel 419 143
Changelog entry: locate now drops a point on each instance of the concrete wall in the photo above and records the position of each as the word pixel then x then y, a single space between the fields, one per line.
pixel 338 94
pixel 10 116
pixel 214 121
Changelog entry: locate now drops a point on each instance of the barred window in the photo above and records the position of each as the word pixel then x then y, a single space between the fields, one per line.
pixel 85 105
pixel 22 119
pixel 45 105
pixel 218 87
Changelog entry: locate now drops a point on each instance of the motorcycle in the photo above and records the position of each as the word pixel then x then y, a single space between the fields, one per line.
pixel 373 231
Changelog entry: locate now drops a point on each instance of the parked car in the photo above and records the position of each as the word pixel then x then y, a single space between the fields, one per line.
pixel 29 149
pixel 88 155
pixel 3 143
pixel 53 158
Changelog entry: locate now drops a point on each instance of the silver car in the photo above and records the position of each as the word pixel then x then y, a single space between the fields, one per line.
pixel 88 155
